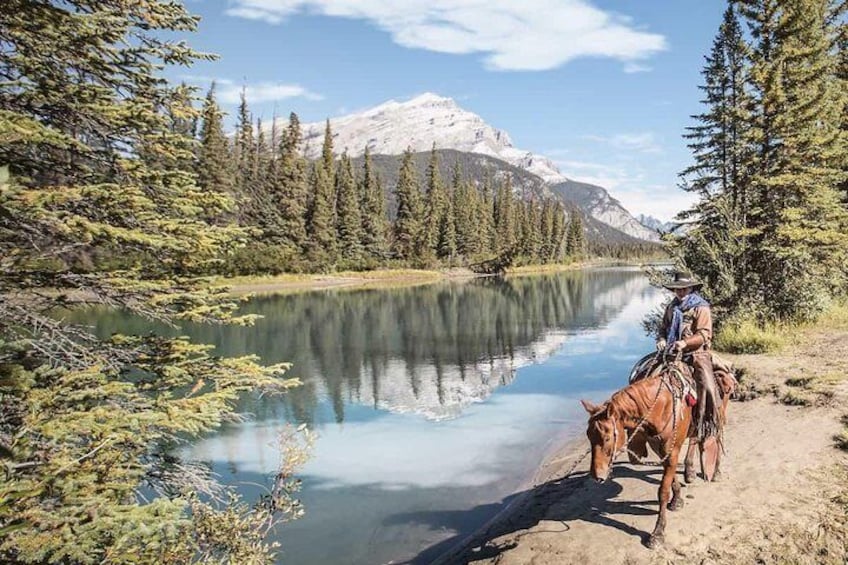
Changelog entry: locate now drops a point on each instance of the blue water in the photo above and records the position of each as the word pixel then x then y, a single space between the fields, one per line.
pixel 432 404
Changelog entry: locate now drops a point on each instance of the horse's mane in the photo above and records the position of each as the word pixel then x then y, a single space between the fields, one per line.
pixel 624 401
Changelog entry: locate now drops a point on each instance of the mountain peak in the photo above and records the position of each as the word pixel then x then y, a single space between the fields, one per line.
pixel 429 99
pixel 417 124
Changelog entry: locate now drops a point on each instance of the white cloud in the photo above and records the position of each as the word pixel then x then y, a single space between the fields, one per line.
pixel 661 202
pixel 265 92
pixel 643 142
pixel 532 35
pixel 627 184
pixel 229 92
pixel 631 68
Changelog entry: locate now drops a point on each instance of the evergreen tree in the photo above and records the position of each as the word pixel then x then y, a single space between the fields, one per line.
pixel 87 426
pixel 349 220
pixel 487 214
pixel 797 219
pixel 447 247
pixel 717 247
pixel 322 247
pixel 408 225
pixel 463 218
pixel 244 149
pixel 558 232
pixel 373 206
pixel 327 156
pixel 290 191
pixel 214 172
pixel 183 122
pixel 505 233
pixel 532 245
pixel 546 232
pixel 434 205
pixel 575 241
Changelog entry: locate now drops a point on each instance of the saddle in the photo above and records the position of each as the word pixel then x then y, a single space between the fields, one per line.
pixel 651 363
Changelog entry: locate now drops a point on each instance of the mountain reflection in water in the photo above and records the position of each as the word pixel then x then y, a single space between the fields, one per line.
pixel 420 437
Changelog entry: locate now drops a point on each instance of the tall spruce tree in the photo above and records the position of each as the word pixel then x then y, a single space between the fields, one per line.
pixel 322 247
pixel 373 206
pixel 327 156
pixel 214 170
pixel 797 218
pixel 446 246
pixel 574 239
pixel 349 220
pixel 434 205
pixel 721 141
pixel 505 233
pixel 463 217
pixel 290 191
pixel 487 214
pixel 408 225
pixel 244 148
pixel 87 426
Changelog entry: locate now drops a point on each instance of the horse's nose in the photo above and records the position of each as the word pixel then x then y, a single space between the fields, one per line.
pixel 600 480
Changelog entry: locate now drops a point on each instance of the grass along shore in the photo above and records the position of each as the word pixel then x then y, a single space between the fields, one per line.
pixel 382 278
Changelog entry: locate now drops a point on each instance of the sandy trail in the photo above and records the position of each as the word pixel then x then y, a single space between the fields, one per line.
pixel 775 480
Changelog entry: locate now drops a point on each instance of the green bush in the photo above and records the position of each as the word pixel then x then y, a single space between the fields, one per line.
pixel 747 336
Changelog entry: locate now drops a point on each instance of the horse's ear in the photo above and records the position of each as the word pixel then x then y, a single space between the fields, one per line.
pixel 590 408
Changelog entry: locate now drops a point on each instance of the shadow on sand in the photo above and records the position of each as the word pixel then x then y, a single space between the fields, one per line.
pixel 547 501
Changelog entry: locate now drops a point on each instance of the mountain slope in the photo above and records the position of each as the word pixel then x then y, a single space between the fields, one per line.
pixel 596 202
pixel 418 123
pixel 392 127
pixel 477 167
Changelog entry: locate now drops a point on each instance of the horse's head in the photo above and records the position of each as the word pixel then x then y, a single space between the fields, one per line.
pixel 606 435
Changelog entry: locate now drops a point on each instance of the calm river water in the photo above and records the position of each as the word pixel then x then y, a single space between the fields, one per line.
pixel 433 405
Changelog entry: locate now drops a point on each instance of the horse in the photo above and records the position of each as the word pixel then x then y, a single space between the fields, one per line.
pixel 654 406
pixel 709 447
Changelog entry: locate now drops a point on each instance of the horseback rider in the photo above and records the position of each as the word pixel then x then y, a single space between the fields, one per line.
pixel 687 327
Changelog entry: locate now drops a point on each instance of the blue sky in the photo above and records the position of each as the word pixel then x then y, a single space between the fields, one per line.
pixel 603 88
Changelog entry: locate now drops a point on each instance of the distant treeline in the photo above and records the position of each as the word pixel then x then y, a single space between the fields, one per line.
pixel 328 214
pixel 771 160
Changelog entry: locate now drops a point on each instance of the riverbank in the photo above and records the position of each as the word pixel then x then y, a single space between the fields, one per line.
pixel 783 498
pixel 383 278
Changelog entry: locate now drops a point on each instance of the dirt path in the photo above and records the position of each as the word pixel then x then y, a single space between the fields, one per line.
pixel 775 504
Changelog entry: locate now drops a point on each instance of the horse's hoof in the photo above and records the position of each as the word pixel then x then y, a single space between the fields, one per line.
pixel 717 478
pixel 675 504
pixel 689 476
pixel 654 541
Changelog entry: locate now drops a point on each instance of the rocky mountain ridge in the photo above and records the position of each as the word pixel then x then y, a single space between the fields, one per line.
pixel 429 119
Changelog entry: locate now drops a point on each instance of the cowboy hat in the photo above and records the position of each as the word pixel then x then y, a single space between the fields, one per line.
pixel 683 279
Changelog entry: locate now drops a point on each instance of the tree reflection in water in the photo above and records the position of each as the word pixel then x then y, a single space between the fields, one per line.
pixel 429 349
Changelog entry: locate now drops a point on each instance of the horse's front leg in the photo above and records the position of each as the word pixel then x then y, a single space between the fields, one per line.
pixel 669 470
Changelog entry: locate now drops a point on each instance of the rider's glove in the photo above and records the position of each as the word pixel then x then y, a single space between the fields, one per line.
pixel 661 344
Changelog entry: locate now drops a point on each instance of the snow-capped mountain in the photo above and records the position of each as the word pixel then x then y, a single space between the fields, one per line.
pixel 393 126
pixel 655 224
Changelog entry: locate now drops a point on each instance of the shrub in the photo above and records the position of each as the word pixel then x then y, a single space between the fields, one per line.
pixel 747 336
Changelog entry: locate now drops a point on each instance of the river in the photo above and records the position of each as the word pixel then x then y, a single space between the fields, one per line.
pixel 432 405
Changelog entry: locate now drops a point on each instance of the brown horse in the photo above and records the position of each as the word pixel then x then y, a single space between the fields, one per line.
pixel 654 407
pixel 709 448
